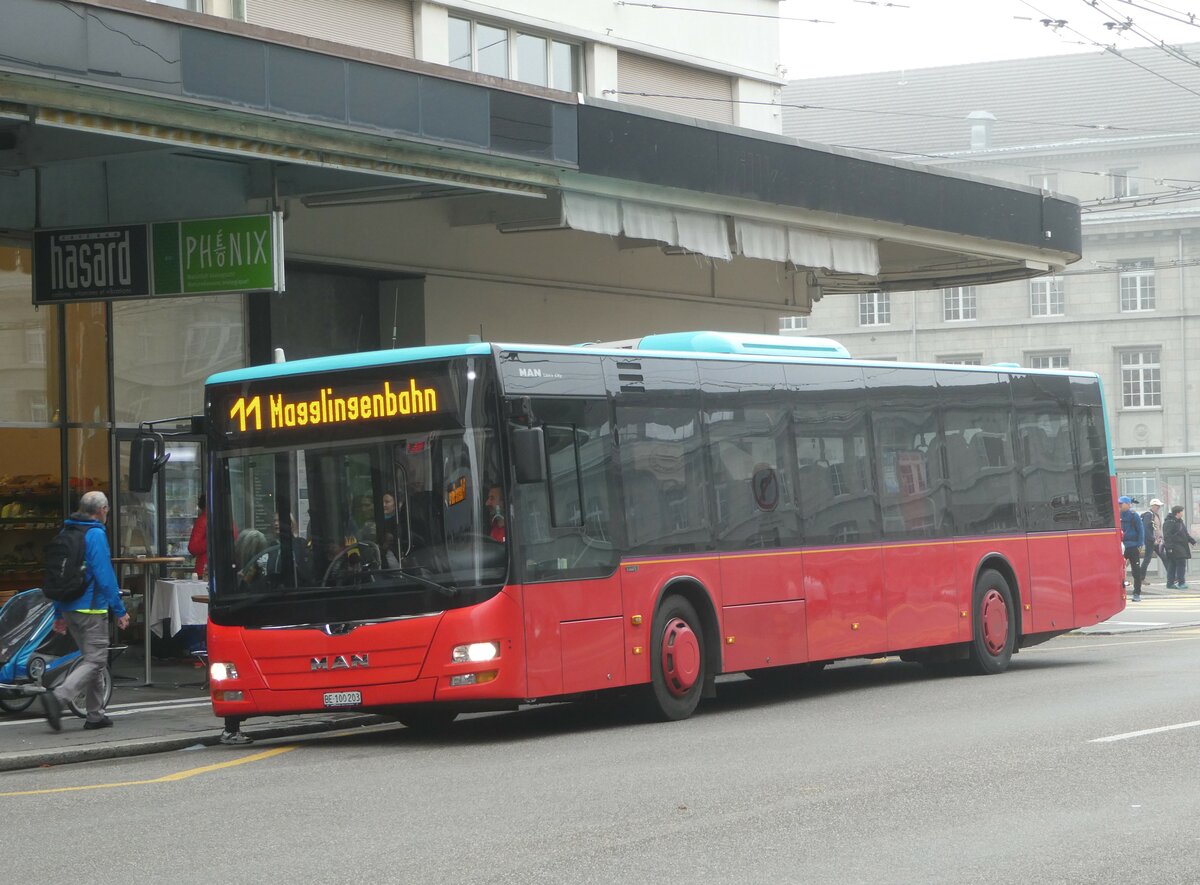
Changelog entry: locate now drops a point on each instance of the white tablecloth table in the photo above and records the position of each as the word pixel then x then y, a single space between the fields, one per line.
pixel 173 602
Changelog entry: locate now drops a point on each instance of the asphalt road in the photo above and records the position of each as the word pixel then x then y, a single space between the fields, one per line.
pixel 877 773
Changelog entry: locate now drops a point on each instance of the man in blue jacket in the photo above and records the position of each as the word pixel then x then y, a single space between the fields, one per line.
pixel 1133 537
pixel 86 619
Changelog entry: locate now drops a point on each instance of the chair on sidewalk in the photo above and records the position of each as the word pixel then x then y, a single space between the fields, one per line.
pixel 201 655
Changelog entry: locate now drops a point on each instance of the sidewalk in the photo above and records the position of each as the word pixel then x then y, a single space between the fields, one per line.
pixel 171 714
pixel 1151 592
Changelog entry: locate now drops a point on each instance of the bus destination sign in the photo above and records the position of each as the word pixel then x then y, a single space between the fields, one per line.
pixel 327 406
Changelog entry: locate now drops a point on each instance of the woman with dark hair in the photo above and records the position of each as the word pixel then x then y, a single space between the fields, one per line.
pixel 1178 541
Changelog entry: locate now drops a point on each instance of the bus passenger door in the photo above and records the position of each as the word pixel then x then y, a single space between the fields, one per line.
pixel 568 557
pixel 839 513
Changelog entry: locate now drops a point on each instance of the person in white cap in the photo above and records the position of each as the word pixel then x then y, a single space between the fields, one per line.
pixel 1152 522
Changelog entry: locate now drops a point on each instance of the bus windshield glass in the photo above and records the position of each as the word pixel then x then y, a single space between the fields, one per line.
pixel 352 523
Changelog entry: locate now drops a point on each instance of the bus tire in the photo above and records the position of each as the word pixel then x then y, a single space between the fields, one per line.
pixel 993 624
pixel 677 664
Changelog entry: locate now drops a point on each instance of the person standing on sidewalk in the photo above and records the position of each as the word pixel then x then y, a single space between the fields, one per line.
pixel 1179 543
pixel 198 542
pixel 86 619
pixel 1133 540
pixel 1152 525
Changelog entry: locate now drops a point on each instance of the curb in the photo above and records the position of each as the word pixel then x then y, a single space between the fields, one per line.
pixel 149 746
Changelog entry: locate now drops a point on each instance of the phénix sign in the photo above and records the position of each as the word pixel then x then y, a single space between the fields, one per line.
pixel 122 261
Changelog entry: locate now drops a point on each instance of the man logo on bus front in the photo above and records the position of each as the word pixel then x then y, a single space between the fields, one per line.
pixel 340 662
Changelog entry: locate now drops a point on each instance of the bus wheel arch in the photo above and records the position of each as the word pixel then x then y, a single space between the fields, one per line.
pixel 684 649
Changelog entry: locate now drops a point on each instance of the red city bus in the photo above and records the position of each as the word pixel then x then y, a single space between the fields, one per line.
pixel 436 530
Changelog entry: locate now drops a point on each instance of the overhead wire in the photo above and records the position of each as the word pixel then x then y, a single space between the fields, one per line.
pixel 1176 15
pixel 1115 23
pixel 1111 48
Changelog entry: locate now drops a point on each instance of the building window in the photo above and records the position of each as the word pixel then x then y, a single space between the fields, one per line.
pixel 874 308
pixel 958 303
pixel 1142 487
pixel 1144 450
pixel 1046 181
pixel 1141 383
pixel 1049 360
pixel 35 346
pixel 1137 284
pixel 1121 183
pixel 970 359
pixel 512 54
pixel 191 5
pixel 1046 297
pixel 793 324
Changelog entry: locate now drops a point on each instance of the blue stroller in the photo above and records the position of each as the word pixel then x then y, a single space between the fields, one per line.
pixel 33 658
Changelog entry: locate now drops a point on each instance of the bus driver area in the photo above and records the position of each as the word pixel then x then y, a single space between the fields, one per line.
pixel 670 509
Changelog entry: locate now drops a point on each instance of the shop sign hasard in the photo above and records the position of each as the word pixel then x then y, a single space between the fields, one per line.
pixel 125 261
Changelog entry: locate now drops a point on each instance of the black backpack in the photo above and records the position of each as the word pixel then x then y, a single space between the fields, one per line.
pixel 66 564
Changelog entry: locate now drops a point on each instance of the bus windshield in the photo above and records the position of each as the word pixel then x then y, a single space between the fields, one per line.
pixel 342 528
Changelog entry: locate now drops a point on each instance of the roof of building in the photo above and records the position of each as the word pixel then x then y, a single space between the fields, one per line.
pixel 1045 100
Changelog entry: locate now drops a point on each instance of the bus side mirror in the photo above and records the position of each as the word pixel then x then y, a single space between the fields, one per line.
pixel 146 458
pixel 529 448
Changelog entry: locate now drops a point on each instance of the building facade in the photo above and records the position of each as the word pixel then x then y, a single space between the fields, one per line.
pixel 718 61
pixel 1117 132
pixel 437 171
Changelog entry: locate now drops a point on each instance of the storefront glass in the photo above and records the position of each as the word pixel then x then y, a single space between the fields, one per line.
pixel 30 438
pixel 164 350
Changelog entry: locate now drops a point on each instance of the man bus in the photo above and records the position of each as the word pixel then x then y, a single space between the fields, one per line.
pixel 696 504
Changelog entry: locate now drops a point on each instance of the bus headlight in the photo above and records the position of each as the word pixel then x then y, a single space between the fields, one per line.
pixel 221 671
pixel 475 653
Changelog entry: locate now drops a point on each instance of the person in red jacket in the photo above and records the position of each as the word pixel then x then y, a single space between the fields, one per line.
pixel 198 543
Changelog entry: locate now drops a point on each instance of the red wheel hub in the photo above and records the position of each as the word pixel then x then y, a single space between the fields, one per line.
pixel 995 622
pixel 680 657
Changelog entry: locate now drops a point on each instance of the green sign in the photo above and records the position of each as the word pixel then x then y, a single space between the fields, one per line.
pixel 218 255
pixel 125 262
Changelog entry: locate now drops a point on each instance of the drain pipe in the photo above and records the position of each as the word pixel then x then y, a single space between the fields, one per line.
pixel 1187 439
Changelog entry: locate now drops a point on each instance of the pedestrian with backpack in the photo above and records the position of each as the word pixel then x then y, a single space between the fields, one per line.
pixel 81 582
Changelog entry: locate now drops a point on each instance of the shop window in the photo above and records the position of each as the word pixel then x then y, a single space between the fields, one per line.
pixel 29 375
pixel 164 350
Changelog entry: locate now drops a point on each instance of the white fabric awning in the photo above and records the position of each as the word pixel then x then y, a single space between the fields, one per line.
pixel 707 233
pixel 804 247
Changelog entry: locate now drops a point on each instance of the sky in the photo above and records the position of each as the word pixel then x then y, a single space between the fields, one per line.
pixel 885 35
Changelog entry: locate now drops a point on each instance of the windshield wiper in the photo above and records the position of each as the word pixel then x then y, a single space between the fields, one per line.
pixel 443 589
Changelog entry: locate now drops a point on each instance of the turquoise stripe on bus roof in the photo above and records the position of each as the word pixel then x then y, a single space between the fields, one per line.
pixel 441 351
pixel 743 344
pixel 351 361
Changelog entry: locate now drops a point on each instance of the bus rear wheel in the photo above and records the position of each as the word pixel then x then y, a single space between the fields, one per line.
pixel 677 665
pixel 993 624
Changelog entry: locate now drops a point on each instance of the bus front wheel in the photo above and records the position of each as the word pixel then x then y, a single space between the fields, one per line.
pixel 993 624
pixel 677 666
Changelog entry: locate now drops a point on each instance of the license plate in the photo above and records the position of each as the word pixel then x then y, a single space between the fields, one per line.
pixel 342 698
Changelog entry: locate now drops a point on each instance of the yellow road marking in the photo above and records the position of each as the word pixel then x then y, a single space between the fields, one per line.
pixel 166 778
